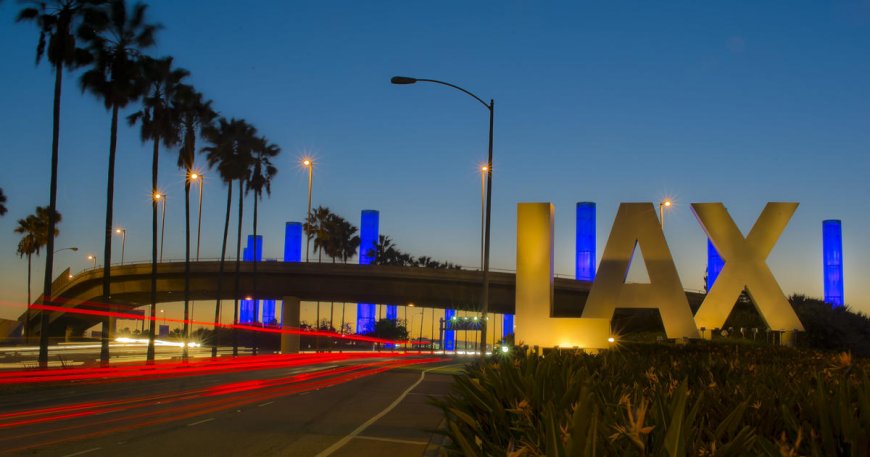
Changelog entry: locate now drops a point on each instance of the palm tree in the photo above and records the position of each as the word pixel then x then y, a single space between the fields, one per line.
pixel 2 203
pixel 316 228
pixel 348 240
pixel 116 78
pixel 35 229
pixel 56 21
pixel 343 244
pixel 259 180
pixel 230 150
pixel 387 253
pixel 159 122
pixel 195 115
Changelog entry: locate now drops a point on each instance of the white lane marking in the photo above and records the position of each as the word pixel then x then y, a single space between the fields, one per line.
pixel 200 422
pixel 264 404
pixel 391 440
pixel 340 443
pixel 83 452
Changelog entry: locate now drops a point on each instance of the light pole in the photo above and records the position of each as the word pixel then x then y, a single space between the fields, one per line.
pixel 309 164
pixel 72 248
pixel 483 171
pixel 488 220
pixel 93 258
pixel 123 233
pixel 161 198
pixel 200 179
pixel 664 204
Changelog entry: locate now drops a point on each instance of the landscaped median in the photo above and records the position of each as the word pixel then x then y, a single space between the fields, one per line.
pixel 704 399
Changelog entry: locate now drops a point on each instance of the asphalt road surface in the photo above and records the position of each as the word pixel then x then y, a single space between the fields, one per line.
pixel 359 406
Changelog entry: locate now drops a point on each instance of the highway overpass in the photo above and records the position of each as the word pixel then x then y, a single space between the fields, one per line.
pixel 349 283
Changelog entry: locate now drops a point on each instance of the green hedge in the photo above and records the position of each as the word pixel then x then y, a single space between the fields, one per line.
pixel 701 399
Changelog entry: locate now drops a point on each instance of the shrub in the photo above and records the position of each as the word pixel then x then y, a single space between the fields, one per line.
pixel 702 399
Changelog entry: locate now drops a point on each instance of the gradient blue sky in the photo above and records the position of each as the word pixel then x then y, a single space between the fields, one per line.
pixel 739 102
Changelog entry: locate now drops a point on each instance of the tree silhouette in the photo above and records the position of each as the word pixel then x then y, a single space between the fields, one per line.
pixel 259 181
pixel 56 21
pixel 194 115
pixel 115 76
pixel 230 148
pixel 316 228
pixel 35 230
pixel 158 120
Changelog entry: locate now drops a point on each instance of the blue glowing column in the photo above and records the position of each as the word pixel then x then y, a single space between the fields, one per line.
pixel 714 264
pixel 832 256
pixel 368 237
pixel 246 307
pixel 293 242
pixel 269 312
pixel 449 335
pixel 508 325
pixel 292 252
pixel 249 309
pixel 584 268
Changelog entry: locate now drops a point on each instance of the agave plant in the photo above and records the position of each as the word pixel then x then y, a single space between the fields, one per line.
pixel 646 400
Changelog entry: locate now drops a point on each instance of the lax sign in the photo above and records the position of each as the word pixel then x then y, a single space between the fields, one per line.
pixel 637 224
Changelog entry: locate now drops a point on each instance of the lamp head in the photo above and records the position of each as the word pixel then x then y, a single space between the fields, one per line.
pixel 402 80
pixel 306 162
pixel 74 249
pixel 667 203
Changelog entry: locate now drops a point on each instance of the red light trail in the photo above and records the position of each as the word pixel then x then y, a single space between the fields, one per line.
pixel 132 413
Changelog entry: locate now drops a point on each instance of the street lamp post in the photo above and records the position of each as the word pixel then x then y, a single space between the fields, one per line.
pixel 123 233
pixel 420 342
pixel 664 204
pixel 488 220
pixel 483 171
pixel 200 179
pixel 93 258
pixel 162 198
pixel 309 164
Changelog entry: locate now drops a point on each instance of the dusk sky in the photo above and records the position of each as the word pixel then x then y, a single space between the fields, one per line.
pixel 738 102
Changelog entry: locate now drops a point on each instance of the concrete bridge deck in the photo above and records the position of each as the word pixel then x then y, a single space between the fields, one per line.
pixel 349 283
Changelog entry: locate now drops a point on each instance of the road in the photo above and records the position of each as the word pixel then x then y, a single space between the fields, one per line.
pixel 310 405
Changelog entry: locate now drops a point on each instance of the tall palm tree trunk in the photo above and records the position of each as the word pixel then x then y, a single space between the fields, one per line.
pixel 186 328
pixel 154 161
pixel 107 249
pixel 238 265
pixel 52 208
pixel 26 330
pixel 217 303
pixel 254 285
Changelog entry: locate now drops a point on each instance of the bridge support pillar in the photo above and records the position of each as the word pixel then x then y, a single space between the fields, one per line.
pixel 290 318
pixel 68 334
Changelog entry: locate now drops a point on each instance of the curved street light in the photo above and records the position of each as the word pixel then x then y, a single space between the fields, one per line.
pixel 123 233
pixel 403 80
pixel 199 178
pixel 309 164
pixel 662 205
